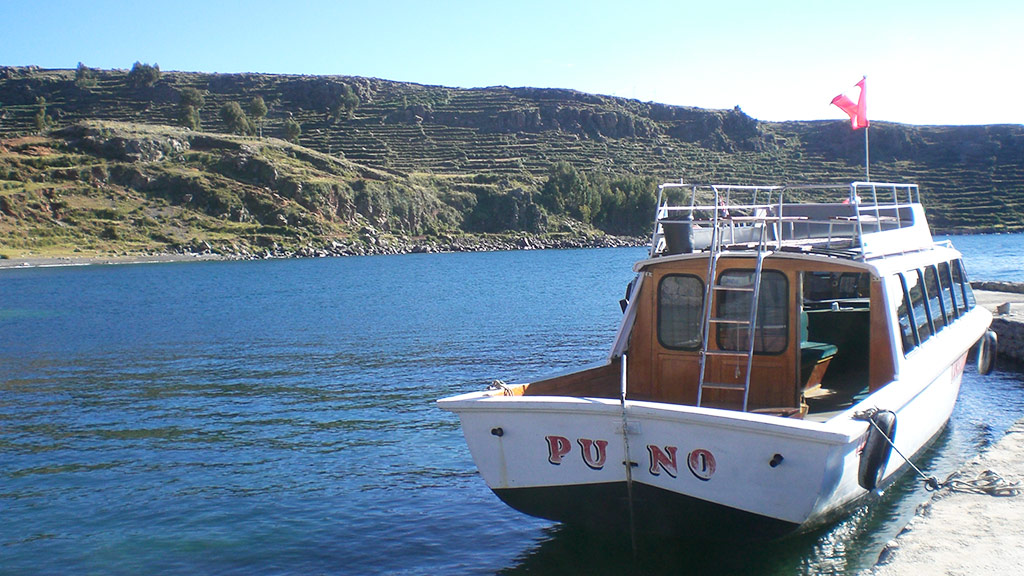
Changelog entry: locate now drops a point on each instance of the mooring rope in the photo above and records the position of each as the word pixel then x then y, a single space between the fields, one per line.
pixel 501 385
pixel 987 482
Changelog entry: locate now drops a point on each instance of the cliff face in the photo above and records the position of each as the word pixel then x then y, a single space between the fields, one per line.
pixel 413 160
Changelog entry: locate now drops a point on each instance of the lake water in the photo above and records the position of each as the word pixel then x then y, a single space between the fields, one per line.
pixel 278 417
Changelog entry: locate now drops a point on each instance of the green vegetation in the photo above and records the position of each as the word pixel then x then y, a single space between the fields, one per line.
pixel 143 75
pixel 343 103
pixel 258 110
pixel 85 77
pixel 41 120
pixel 292 130
pixel 191 101
pixel 91 160
pixel 237 122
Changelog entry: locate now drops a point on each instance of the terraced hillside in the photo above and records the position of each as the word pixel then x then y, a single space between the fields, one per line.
pixel 479 152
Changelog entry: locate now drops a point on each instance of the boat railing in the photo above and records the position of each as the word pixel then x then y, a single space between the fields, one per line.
pixel 830 218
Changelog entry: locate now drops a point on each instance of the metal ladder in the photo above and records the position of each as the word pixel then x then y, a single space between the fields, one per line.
pixel 711 291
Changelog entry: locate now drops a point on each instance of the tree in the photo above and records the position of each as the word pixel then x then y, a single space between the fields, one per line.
pixel 563 186
pixel 85 77
pixel 628 205
pixel 143 75
pixel 237 122
pixel 258 110
pixel 189 118
pixel 292 130
pixel 190 102
pixel 41 119
pixel 345 103
pixel 192 97
pixel 349 99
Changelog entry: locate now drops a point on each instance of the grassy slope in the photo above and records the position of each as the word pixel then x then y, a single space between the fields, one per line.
pixel 102 188
pixel 413 161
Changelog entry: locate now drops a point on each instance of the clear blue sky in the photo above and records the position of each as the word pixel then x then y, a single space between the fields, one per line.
pixel 927 61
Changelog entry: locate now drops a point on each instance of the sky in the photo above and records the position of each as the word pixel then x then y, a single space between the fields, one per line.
pixel 926 62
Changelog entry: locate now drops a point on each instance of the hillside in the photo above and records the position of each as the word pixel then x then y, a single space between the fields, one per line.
pixel 100 160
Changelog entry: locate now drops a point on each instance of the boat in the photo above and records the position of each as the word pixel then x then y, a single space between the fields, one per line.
pixel 777 345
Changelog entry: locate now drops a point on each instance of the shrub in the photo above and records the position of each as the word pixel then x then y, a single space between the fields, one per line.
pixel 42 121
pixel 292 130
pixel 234 117
pixel 192 97
pixel 189 118
pixel 143 75
pixel 190 101
pixel 345 103
pixel 258 110
pixel 85 77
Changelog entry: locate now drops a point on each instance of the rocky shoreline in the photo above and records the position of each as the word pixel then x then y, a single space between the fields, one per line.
pixel 367 246
pixel 377 245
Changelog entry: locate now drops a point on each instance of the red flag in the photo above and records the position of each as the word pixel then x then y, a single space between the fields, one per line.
pixel 858 112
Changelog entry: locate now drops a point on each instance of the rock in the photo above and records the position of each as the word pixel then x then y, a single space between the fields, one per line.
pixel 1000 286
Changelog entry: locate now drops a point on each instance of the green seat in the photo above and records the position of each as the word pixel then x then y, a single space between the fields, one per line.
pixel 812 353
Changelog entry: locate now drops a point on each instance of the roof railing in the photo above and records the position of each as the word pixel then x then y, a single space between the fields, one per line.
pixel 826 217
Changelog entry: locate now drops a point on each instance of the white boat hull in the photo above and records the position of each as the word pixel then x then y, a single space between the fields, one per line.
pixel 697 472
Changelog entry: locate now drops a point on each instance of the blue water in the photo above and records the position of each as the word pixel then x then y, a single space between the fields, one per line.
pixel 278 417
pixel 992 256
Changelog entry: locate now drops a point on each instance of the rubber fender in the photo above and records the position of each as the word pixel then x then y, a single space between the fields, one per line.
pixel 988 347
pixel 877 449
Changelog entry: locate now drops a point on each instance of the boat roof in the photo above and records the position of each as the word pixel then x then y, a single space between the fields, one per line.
pixel 861 223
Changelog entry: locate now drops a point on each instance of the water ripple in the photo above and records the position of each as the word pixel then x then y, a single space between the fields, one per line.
pixel 279 417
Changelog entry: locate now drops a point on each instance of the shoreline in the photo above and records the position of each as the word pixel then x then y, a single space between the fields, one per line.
pixel 384 246
pixel 61 261
pixel 473 244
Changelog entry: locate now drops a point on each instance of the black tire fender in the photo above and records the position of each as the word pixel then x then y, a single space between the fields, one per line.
pixel 877 449
pixel 988 346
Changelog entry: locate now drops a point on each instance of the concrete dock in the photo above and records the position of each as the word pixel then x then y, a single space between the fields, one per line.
pixel 966 533
pixel 1006 301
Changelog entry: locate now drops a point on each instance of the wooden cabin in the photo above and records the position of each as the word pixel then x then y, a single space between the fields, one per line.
pixel 816 322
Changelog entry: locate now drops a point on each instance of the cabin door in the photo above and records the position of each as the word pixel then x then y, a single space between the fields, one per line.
pixel 677 337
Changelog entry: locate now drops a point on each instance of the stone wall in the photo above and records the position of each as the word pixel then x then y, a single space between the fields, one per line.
pixel 1011 337
pixel 1006 301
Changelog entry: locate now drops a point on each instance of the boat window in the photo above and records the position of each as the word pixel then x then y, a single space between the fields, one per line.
pixel 821 289
pixel 919 305
pixel 960 279
pixel 935 304
pixel 680 309
pixel 908 329
pixel 949 298
pixel 772 326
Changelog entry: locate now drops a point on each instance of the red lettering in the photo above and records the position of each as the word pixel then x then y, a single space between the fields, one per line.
pixel 662 461
pixel 594 452
pixel 558 446
pixel 701 463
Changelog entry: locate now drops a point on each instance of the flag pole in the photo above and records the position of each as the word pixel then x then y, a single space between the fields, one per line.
pixel 867 158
